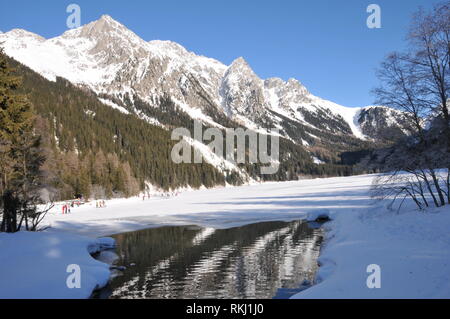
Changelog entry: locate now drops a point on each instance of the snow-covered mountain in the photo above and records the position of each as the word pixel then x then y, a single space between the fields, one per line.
pixel 118 65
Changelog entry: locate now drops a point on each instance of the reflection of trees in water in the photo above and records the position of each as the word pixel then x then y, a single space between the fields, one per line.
pixel 248 261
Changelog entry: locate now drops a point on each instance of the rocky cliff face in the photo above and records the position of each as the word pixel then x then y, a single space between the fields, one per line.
pixel 383 123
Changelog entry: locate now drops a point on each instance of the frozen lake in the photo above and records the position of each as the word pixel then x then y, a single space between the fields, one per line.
pixel 219 207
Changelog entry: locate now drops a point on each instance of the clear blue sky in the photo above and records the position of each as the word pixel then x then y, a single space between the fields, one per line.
pixel 323 43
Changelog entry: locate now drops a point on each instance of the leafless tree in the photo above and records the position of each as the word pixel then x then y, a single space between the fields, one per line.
pixel 417 82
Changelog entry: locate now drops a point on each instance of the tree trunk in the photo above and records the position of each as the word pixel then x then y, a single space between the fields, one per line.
pixel 437 186
pixel 430 190
pixel 10 210
pixel 421 191
pixel 448 185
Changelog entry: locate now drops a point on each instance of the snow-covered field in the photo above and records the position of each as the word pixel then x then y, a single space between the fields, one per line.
pixel 412 248
pixel 38 265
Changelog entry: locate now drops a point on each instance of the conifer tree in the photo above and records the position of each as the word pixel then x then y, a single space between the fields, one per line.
pixel 20 156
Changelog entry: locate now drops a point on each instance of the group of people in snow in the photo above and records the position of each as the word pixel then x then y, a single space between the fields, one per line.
pixel 67 206
pixel 100 204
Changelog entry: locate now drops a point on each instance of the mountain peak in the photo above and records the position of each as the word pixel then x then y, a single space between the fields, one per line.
pixel 295 84
pixel 107 21
pixel 23 34
pixel 107 18
pixel 107 33
pixel 240 65
pixel 239 61
pixel 105 25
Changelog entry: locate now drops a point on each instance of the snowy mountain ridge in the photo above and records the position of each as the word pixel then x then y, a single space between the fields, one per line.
pixel 113 61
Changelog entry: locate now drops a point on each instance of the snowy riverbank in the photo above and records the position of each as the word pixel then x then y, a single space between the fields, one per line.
pixel 38 265
pixel 412 248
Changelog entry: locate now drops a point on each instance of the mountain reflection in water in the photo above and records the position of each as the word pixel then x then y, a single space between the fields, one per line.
pixel 264 260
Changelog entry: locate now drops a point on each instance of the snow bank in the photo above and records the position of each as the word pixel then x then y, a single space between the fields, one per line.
pixel 35 265
pixel 411 248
